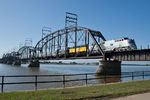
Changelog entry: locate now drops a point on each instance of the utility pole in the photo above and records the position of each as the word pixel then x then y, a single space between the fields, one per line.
pixel 70 21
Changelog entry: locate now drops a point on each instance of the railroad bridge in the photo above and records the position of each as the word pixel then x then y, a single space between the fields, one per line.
pixel 74 42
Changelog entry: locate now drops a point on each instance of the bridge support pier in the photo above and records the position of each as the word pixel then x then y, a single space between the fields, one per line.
pixel 17 62
pixel 34 63
pixel 109 68
pixel 9 62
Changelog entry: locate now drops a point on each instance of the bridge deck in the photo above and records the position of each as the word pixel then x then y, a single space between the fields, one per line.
pixel 134 55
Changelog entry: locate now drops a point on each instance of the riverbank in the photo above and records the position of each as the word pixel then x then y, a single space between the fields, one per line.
pixel 94 63
pixel 69 63
pixel 107 91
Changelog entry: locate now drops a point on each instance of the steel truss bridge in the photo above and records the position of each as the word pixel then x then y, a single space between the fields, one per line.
pixel 74 42
pixel 56 46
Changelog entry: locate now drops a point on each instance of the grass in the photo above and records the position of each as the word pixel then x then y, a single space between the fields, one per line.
pixel 90 92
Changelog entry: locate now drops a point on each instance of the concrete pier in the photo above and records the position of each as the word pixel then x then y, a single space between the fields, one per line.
pixel 109 68
pixel 9 62
pixel 34 63
pixel 17 62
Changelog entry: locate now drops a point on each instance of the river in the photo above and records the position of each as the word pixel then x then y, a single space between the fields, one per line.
pixel 59 69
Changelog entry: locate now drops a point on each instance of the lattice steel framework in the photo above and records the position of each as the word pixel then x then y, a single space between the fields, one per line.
pixel 56 45
pixel 26 52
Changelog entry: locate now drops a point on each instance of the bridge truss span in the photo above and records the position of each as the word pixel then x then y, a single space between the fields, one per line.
pixel 26 52
pixel 70 42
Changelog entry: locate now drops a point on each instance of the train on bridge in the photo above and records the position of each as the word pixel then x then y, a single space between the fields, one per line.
pixel 121 44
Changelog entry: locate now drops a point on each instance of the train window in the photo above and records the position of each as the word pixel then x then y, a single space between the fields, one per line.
pixel 126 38
pixel 102 42
pixel 117 40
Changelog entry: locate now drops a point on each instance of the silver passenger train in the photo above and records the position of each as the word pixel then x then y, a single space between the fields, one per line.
pixel 121 44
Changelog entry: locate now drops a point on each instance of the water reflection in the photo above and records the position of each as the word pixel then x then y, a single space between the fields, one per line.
pixel 35 69
pixel 108 78
pixel 57 69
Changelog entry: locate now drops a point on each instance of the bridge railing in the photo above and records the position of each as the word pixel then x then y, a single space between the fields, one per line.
pixel 86 77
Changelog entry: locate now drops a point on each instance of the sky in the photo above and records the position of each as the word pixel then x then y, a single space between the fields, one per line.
pixel 22 19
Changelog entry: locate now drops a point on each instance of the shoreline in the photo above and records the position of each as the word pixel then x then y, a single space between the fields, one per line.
pixel 74 63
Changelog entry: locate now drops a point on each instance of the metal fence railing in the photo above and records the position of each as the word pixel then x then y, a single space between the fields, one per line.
pixel 64 78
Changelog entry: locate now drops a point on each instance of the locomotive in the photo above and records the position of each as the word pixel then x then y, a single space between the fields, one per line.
pixel 121 44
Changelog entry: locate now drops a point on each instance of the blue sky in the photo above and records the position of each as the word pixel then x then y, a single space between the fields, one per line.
pixel 21 19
